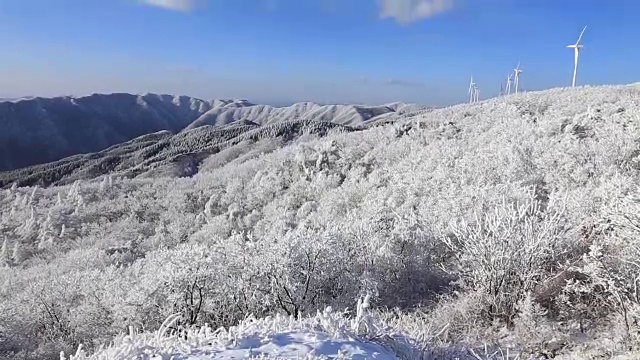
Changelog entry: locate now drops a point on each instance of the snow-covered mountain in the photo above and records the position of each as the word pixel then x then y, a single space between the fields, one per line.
pixel 165 154
pixel 505 229
pixel 40 130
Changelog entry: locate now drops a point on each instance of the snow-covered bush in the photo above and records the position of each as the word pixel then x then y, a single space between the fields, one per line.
pixel 610 273
pixel 506 252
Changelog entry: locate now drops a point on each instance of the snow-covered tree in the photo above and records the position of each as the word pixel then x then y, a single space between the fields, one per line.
pixel 5 252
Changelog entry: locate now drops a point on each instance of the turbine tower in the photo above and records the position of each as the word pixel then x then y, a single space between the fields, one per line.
pixel 576 48
pixel 516 73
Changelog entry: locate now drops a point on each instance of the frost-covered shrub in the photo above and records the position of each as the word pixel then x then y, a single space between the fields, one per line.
pixel 461 316
pixel 592 295
pixel 609 273
pixel 535 331
pixel 507 251
pixel 622 222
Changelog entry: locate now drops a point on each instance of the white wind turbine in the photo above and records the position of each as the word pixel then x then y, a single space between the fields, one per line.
pixel 576 48
pixel 474 93
pixel 516 73
pixel 509 81
pixel 473 89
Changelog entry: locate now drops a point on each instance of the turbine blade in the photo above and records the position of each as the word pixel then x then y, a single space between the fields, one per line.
pixel 582 33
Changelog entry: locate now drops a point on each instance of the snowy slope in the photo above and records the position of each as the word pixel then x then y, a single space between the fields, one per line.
pixel 512 222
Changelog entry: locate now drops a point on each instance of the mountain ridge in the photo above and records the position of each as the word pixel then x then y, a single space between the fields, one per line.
pixel 39 130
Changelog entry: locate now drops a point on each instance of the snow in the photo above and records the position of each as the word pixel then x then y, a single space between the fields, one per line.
pixel 327 335
pixel 295 345
pixel 286 345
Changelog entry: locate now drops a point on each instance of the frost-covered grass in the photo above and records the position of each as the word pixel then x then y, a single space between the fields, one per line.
pixel 326 335
pixel 511 223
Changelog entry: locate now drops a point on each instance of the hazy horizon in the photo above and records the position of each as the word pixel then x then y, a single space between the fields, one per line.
pixel 271 102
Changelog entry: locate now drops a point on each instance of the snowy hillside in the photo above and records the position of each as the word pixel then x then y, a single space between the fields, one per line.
pixel 507 228
pixel 40 130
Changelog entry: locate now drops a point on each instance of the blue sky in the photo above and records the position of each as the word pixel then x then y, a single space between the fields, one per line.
pixel 366 51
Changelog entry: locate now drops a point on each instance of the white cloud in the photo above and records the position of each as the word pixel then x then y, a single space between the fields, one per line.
pixel 408 11
pixel 189 5
pixel 178 5
pixel 403 11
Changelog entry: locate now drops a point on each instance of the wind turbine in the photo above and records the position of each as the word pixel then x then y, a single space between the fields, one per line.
pixel 516 72
pixel 509 81
pixel 473 88
pixel 576 48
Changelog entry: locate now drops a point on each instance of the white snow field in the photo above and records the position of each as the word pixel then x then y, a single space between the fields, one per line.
pixel 507 229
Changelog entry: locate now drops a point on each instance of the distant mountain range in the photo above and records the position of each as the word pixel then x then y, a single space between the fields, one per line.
pixel 165 154
pixel 41 130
